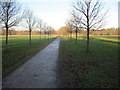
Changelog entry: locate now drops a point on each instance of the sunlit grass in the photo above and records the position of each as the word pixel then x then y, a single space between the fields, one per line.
pixel 110 38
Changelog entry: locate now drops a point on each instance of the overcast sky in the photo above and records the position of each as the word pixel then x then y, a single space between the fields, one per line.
pixel 55 12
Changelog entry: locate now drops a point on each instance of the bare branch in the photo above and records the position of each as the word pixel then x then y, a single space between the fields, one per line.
pixel 29 19
pixel 90 11
pixel 10 11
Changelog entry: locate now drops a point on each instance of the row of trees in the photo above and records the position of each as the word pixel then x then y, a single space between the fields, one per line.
pixel 65 31
pixel 87 15
pixel 26 32
pixel 11 16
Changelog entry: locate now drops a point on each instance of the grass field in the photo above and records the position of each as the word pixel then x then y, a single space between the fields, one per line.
pixel 19 50
pixel 97 69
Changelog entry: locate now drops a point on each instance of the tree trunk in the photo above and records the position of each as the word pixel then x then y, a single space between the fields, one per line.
pixel 48 35
pixel 30 36
pixel 71 35
pixel 7 36
pixel 87 40
pixel 45 34
pixel 88 29
pixel 76 35
pixel 40 34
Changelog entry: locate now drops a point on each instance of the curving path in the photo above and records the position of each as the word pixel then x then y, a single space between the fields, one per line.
pixel 38 72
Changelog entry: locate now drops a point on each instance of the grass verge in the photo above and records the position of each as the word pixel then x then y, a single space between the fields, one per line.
pixel 97 69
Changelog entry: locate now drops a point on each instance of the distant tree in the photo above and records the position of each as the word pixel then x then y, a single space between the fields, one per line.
pixel 76 21
pixel 69 24
pixel 30 22
pixel 63 31
pixel 53 32
pixel 50 28
pixel 45 29
pixel 9 15
pixel 40 26
pixel 92 15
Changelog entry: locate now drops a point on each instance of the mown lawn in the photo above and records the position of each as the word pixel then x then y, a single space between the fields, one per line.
pixel 19 51
pixel 97 69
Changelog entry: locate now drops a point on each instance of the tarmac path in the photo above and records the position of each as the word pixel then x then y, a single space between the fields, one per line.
pixel 38 72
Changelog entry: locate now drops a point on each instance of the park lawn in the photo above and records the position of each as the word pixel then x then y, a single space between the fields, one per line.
pixel 96 69
pixel 19 50
pixel 108 38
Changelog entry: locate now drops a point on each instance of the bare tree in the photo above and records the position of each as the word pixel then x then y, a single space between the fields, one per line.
pixel 92 15
pixel 76 19
pixel 45 26
pixel 40 27
pixel 49 31
pixel 70 26
pixel 30 22
pixel 9 15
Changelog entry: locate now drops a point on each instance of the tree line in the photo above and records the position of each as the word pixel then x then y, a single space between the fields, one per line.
pixel 25 32
pixel 11 16
pixel 65 31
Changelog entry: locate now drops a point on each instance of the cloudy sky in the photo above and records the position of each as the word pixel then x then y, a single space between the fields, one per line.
pixel 55 12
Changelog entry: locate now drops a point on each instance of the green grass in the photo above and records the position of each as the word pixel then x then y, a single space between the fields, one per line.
pixel 97 69
pixel 112 39
pixel 20 51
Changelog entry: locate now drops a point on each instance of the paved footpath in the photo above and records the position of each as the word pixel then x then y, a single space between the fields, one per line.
pixel 38 72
